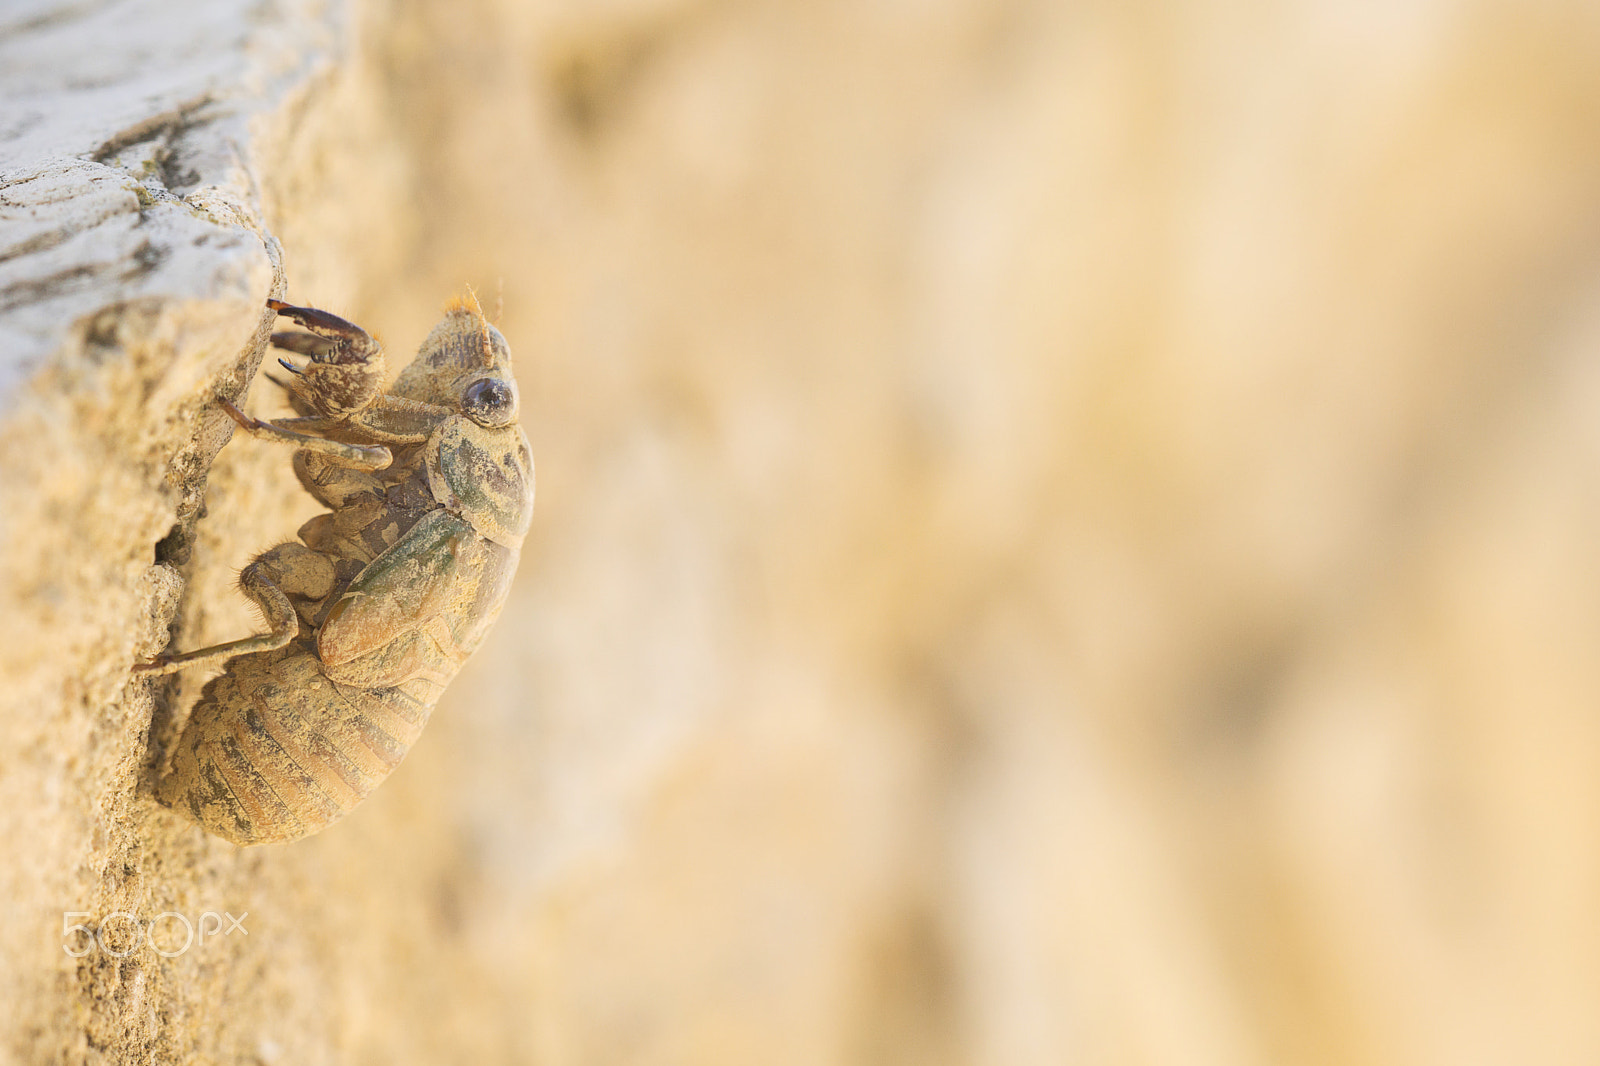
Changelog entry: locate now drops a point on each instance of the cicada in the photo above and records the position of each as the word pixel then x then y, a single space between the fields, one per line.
pixel 371 612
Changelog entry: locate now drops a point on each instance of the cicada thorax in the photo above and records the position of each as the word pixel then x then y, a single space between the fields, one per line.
pixel 372 516
pixel 485 475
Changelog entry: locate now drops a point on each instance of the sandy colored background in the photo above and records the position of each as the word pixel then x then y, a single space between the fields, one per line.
pixel 1067 532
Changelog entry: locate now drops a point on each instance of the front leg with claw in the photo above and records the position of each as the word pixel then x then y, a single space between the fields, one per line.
pixel 346 371
pixel 342 386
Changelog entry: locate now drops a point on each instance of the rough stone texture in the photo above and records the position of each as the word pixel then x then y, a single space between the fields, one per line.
pixel 1066 531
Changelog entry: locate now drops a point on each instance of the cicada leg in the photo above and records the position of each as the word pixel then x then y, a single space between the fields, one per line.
pixel 357 456
pixel 290 569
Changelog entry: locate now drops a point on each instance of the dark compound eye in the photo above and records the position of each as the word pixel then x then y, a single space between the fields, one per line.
pixel 490 402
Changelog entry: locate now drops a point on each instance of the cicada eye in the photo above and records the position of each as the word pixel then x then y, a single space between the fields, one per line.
pixel 490 402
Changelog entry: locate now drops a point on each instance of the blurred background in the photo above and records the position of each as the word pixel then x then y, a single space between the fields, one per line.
pixel 1066 532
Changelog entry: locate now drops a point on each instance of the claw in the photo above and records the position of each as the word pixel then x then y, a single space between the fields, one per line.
pixel 318 321
pixel 322 349
pixel 158 664
pixel 301 406
pixel 346 371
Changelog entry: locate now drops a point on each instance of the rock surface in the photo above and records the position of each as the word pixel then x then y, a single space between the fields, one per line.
pixel 1066 531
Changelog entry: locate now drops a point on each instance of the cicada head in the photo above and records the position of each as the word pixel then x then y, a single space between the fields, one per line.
pixel 465 364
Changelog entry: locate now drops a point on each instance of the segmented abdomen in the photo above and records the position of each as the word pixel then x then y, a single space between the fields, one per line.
pixel 275 751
